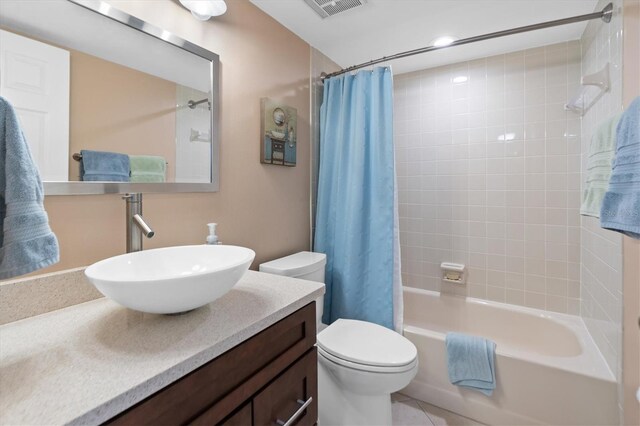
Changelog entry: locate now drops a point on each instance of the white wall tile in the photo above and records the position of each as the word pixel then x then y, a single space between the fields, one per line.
pixel 489 173
pixel 601 251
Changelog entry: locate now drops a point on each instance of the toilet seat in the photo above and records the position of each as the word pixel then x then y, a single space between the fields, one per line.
pixel 366 346
pixel 366 367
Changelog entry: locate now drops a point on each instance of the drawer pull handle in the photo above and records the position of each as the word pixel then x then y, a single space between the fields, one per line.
pixel 303 406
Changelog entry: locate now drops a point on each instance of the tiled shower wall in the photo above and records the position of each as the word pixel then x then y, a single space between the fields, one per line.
pixel 488 165
pixel 601 287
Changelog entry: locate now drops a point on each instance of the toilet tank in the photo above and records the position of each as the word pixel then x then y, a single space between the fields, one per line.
pixel 305 265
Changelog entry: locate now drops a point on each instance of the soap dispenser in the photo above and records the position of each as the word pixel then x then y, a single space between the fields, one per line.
pixel 212 238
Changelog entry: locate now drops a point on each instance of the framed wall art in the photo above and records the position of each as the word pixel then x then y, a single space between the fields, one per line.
pixel 278 132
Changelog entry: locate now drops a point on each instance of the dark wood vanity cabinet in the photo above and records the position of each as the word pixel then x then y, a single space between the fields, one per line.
pixel 289 393
pixel 265 380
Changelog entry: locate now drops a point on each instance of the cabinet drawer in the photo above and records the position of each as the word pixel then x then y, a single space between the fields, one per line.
pixel 230 379
pixel 285 396
pixel 242 417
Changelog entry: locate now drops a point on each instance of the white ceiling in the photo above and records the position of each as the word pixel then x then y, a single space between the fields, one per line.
pixel 385 27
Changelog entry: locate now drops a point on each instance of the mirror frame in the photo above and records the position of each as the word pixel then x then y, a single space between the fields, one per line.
pixel 96 188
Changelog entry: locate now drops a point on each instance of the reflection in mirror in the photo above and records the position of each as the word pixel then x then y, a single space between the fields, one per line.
pixel 102 101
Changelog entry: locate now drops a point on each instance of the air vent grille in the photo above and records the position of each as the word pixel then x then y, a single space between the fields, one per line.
pixel 326 8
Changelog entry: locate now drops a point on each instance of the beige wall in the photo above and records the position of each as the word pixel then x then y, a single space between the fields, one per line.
pixel 119 109
pixel 259 206
pixel 631 287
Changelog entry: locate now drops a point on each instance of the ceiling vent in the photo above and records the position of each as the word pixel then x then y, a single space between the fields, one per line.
pixel 326 8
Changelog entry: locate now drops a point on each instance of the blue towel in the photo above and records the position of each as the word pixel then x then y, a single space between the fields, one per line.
pixel 26 241
pixel 470 361
pixel 104 166
pixel 621 204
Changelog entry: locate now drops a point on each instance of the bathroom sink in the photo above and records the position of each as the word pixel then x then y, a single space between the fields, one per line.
pixel 170 280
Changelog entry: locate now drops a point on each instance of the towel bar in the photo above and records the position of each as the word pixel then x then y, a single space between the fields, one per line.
pixel 78 157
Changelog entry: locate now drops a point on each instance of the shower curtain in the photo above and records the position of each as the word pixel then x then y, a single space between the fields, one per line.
pixel 357 214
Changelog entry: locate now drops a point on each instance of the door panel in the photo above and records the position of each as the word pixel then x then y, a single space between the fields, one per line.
pixel 34 77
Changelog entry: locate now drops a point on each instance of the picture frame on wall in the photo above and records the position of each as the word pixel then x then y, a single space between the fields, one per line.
pixel 278 131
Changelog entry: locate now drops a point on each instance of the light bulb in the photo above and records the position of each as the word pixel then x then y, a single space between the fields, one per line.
pixel 205 9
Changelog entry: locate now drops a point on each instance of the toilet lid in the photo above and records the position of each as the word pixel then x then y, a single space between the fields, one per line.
pixel 366 343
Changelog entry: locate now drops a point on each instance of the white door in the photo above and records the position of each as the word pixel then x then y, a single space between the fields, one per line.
pixel 34 77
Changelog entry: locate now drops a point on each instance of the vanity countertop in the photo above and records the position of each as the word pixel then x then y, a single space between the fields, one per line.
pixel 86 363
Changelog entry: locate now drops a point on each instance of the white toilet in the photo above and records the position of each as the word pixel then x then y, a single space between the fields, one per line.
pixel 359 363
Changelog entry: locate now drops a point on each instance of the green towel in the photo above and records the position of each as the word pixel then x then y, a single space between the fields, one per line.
pixel 148 168
pixel 601 151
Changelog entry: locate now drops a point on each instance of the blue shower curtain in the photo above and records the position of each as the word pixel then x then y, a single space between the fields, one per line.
pixel 356 217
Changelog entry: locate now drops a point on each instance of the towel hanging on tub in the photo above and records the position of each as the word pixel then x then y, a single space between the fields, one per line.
pixel 470 361
pixel 26 241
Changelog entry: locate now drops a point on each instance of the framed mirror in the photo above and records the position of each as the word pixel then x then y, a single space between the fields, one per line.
pixel 98 91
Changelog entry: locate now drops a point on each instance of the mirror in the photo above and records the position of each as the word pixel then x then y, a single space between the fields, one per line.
pixel 107 102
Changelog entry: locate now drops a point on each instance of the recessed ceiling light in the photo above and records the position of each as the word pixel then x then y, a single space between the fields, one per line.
pixel 460 79
pixel 443 41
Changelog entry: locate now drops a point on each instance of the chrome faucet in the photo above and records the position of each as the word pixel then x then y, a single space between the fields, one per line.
pixel 136 226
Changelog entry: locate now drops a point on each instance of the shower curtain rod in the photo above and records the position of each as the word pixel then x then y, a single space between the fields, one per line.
pixel 605 14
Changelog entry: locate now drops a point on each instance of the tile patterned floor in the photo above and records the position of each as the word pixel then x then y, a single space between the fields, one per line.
pixel 407 411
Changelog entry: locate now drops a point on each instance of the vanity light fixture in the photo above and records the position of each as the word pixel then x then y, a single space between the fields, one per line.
pixel 205 9
pixel 443 41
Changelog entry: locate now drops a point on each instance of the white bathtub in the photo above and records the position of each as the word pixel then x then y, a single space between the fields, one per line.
pixel 548 369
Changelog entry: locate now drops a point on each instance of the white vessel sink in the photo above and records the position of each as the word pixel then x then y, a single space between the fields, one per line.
pixel 173 279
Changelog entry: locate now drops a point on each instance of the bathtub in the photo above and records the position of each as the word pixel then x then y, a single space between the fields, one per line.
pixel 548 369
